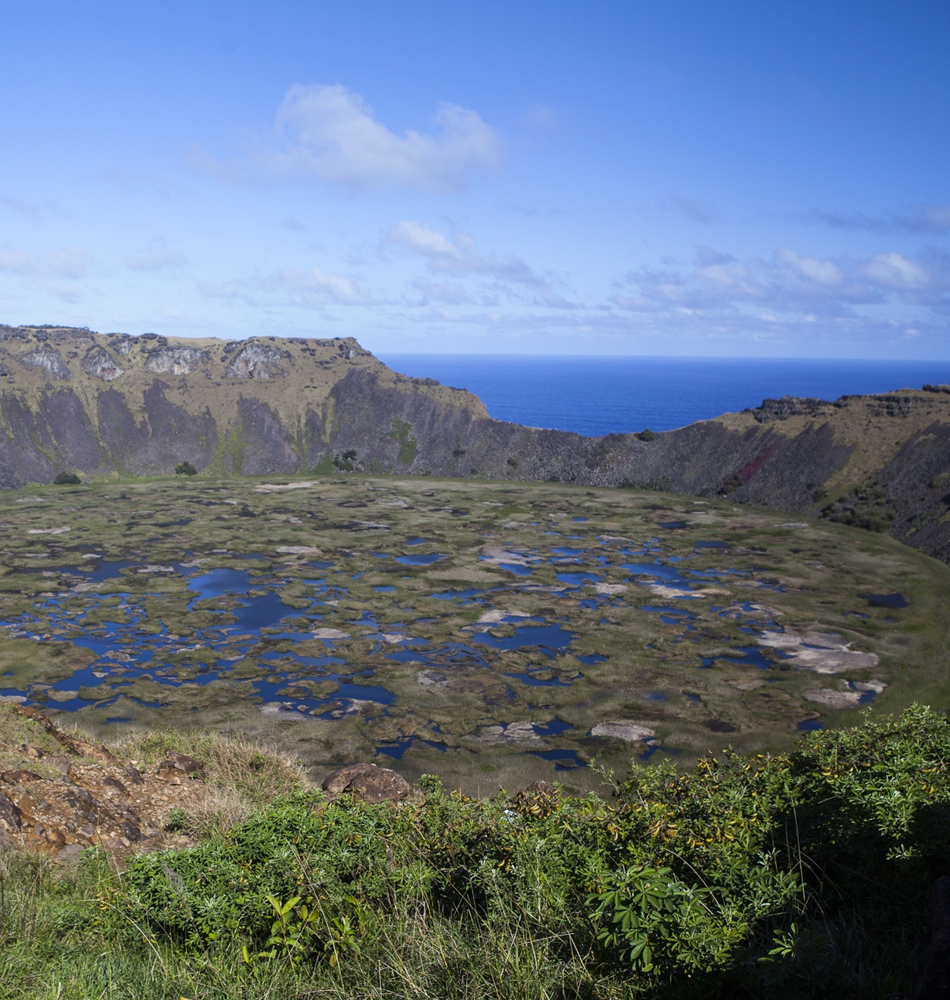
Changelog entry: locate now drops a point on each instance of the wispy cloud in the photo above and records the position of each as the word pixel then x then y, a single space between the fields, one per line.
pixel 923 218
pixel 31 211
pixel 458 255
pixel 65 262
pixel 156 257
pixel 692 209
pixel 330 132
pixel 312 287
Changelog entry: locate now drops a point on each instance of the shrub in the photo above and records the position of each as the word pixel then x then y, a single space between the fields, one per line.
pixel 67 479
pixel 185 469
pixel 645 435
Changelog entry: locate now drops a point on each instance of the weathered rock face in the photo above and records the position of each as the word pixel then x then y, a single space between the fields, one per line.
pixel 100 363
pixel 256 361
pixel 48 360
pixel 267 406
pixel 177 360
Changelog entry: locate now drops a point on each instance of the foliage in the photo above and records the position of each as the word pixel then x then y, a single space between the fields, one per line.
pixel 344 462
pixel 646 435
pixel 796 875
pixel 185 469
pixel 66 479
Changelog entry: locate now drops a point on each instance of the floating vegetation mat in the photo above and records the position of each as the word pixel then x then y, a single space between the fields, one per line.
pixel 492 633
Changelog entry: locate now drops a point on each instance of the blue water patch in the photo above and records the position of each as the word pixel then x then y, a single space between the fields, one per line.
pixel 544 637
pixel 426 559
pixel 465 595
pixel 396 749
pixel 219 582
pixel 516 568
pixel 563 760
pixel 669 574
pixel 589 659
pixel 886 600
pixel 578 579
pixel 556 727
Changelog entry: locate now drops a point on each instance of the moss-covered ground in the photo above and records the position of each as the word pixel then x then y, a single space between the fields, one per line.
pixel 492 633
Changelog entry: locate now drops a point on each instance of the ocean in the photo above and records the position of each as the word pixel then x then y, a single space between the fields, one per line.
pixel 598 395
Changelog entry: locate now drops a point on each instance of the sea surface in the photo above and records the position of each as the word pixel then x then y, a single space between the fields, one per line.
pixel 597 395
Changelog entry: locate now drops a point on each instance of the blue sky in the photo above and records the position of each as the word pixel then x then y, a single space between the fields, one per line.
pixel 677 178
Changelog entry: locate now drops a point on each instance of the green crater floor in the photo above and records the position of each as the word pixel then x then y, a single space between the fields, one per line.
pixel 488 632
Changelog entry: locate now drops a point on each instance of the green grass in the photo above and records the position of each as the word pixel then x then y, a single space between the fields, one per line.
pixel 803 874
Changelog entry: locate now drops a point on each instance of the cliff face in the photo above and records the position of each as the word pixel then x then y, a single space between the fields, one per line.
pixel 72 400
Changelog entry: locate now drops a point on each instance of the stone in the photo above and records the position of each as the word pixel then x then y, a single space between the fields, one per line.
pixel 368 782
pixel 632 732
pixel 178 765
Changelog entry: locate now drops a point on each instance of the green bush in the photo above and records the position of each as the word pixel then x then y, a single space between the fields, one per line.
pixel 757 876
pixel 66 479
pixel 645 435
pixel 185 469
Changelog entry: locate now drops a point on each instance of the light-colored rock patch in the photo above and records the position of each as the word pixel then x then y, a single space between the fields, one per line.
pixel 821 652
pixel 48 531
pixel 280 487
pixel 624 729
pixel 298 550
pixel 329 633
pixel 673 593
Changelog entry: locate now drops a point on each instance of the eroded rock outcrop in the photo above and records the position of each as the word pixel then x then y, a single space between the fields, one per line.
pixel 175 360
pixel 60 793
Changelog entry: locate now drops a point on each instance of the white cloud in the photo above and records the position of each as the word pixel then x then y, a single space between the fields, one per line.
pixel 319 288
pixel 458 254
pixel 333 134
pixel 821 272
pixel 790 285
pixel 895 271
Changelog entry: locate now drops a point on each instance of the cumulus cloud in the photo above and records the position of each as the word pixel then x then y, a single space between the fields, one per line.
pixel 790 284
pixel 332 133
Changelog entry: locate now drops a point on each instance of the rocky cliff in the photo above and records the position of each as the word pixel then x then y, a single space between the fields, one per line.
pixel 73 400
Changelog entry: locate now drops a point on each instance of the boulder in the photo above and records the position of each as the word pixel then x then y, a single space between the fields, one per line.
pixel 368 782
